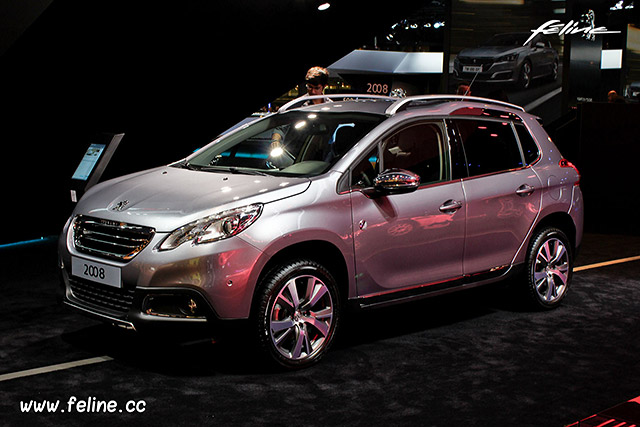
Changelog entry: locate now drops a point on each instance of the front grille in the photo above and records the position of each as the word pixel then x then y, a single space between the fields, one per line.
pixel 110 239
pixel 103 298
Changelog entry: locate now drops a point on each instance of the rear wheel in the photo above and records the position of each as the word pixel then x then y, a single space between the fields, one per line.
pixel 297 313
pixel 549 268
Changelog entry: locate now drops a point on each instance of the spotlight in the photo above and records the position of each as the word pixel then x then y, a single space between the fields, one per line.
pixel 324 6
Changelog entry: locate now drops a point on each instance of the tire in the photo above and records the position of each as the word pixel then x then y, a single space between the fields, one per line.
pixel 297 314
pixel 549 268
pixel 554 72
pixel 525 75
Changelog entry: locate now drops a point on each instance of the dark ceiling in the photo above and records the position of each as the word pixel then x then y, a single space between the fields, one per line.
pixel 170 75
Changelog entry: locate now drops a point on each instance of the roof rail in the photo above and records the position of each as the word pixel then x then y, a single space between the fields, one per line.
pixel 403 103
pixel 342 97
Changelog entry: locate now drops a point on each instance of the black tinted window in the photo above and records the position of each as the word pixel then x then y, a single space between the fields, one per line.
pixel 363 173
pixel 489 146
pixel 458 160
pixel 417 148
pixel 529 146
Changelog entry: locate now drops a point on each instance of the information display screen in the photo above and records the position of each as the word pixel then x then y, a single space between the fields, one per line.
pixel 89 162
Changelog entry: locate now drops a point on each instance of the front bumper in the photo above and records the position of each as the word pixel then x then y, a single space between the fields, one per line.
pixel 190 287
pixel 499 72
pixel 139 309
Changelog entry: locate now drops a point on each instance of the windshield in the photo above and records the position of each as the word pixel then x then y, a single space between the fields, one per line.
pixel 295 143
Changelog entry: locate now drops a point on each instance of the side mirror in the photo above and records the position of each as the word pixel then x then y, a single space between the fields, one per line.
pixel 396 181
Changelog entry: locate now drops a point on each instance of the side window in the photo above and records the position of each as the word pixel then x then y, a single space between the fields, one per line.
pixel 489 146
pixel 417 148
pixel 363 173
pixel 529 146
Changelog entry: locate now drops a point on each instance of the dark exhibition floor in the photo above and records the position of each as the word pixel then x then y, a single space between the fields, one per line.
pixel 466 359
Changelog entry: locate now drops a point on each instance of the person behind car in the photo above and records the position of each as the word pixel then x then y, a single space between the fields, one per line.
pixel 316 80
pixel 613 97
pixel 464 89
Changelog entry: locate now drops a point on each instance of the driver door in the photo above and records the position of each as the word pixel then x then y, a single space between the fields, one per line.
pixel 408 240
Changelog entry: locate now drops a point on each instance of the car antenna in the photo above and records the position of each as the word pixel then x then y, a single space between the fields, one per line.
pixel 470 84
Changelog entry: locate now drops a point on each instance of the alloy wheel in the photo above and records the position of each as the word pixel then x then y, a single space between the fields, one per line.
pixel 551 270
pixel 301 318
pixel 554 71
pixel 525 75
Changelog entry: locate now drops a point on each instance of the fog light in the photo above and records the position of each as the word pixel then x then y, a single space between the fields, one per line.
pixel 192 306
pixel 176 306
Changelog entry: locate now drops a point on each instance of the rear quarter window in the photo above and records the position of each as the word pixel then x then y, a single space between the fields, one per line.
pixel 529 147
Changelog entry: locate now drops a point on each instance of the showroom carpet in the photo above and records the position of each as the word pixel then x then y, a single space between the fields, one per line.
pixel 472 358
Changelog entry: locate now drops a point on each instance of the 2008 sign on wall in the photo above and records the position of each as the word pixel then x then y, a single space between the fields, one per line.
pixel 378 88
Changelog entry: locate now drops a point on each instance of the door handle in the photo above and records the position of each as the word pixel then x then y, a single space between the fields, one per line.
pixel 525 190
pixel 450 206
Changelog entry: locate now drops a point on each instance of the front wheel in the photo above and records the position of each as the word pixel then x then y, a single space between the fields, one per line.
pixel 549 268
pixel 554 71
pixel 297 313
pixel 525 75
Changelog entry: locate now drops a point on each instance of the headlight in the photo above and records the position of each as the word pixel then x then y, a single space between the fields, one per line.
pixel 213 228
pixel 508 58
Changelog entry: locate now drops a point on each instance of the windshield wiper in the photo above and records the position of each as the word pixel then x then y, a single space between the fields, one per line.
pixel 212 168
pixel 247 171
pixel 186 165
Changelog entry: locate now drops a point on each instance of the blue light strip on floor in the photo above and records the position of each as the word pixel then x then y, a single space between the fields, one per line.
pixel 28 242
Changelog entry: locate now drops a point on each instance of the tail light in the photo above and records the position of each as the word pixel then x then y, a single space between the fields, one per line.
pixel 564 163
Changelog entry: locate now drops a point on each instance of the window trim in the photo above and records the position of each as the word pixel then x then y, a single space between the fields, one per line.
pixel 535 141
pixel 451 138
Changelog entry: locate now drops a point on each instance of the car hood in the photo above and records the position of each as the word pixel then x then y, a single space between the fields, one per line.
pixel 166 198
pixel 489 51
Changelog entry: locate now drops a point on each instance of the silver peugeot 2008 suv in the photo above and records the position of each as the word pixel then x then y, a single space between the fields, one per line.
pixel 363 201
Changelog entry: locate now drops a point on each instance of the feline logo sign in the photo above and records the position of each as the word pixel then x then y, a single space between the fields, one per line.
pixel 585 26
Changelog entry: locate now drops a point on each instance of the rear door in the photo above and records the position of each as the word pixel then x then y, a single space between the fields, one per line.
pixel 502 195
